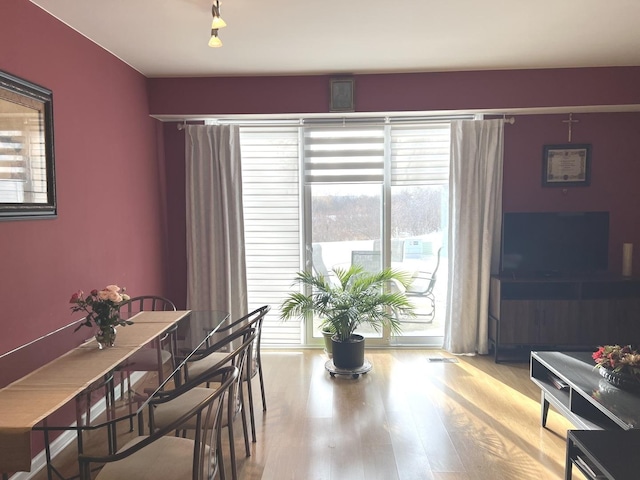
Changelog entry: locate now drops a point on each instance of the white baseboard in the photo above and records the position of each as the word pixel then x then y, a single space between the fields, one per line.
pixel 66 438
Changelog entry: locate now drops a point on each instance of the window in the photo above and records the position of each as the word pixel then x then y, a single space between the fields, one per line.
pixel 322 196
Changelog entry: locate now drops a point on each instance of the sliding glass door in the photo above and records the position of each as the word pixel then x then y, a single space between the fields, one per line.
pixel 377 196
pixel 418 237
pixel 418 213
pixel 325 197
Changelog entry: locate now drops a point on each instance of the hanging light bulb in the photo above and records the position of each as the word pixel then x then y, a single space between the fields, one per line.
pixel 215 42
pixel 217 22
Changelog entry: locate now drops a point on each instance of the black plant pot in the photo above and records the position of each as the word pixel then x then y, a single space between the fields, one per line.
pixel 350 354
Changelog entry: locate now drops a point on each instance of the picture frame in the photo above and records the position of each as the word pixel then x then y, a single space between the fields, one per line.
pixel 341 95
pixel 27 166
pixel 566 165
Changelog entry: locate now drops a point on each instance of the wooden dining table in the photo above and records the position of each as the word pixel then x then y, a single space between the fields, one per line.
pixel 30 399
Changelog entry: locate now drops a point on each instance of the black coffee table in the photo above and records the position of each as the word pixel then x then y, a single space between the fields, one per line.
pixel 607 443
pixel 569 382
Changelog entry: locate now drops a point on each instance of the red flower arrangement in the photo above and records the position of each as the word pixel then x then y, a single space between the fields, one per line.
pixel 101 306
pixel 620 359
pixel 102 309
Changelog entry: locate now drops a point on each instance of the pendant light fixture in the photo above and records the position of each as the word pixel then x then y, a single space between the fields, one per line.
pixel 215 41
pixel 216 24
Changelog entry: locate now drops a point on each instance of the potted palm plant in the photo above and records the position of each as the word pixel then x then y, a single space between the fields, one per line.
pixel 354 298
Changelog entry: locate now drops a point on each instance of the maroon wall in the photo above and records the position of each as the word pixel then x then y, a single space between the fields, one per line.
pixel 176 208
pixel 612 135
pixel 109 225
pixel 398 92
pixel 614 172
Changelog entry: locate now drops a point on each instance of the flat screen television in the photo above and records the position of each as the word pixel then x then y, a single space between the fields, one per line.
pixel 555 243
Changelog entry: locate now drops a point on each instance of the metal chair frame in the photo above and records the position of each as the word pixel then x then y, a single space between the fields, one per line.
pixel 255 319
pixel 140 361
pixel 207 414
pixel 235 400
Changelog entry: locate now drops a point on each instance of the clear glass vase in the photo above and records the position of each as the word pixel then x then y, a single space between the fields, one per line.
pixel 106 337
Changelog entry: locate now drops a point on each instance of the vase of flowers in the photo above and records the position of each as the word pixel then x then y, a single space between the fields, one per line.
pixel 619 365
pixel 102 309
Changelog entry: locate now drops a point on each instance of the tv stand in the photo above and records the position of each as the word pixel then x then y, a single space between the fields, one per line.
pixel 561 313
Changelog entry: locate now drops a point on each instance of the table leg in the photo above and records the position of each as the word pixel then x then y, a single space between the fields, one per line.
pixel 544 408
pixel 47 450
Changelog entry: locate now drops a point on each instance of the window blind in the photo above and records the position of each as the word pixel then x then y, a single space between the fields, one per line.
pixel 420 154
pixel 343 154
pixel 271 196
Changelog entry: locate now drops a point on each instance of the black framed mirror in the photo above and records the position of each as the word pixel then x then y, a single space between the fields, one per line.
pixel 27 167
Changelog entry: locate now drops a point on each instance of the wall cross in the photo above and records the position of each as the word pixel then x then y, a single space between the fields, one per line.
pixel 569 123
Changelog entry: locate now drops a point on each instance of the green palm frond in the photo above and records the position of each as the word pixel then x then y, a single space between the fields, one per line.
pixel 357 298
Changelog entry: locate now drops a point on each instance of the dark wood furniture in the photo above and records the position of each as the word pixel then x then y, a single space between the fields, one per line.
pixel 607 443
pixel 561 314
pixel 603 454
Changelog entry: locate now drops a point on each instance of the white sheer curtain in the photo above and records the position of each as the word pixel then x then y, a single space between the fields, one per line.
pixel 216 273
pixel 475 210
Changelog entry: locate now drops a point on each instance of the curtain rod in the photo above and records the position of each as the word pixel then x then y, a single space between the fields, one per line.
pixel 334 122
pixel 498 112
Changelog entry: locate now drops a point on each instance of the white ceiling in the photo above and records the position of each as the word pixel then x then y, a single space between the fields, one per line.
pixel 162 38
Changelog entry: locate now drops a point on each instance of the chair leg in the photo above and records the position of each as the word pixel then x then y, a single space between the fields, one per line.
pixel 231 413
pixel 243 414
pixel 127 395
pixel 110 399
pixel 251 414
pixel 232 447
pixel 264 398
pixel 223 475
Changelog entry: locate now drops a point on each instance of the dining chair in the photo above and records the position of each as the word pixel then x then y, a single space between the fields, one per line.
pixel 153 359
pixel 84 402
pixel 165 413
pixel 161 456
pixel 253 365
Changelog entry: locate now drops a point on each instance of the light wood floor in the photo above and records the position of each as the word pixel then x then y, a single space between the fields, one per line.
pixel 409 418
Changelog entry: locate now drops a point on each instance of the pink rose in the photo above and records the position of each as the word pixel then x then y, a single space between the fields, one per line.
pixel 103 294
pixel 76 296
pixel 114 296
pixel 112 288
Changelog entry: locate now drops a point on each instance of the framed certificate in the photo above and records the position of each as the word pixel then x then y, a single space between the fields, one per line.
pixel 566 165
